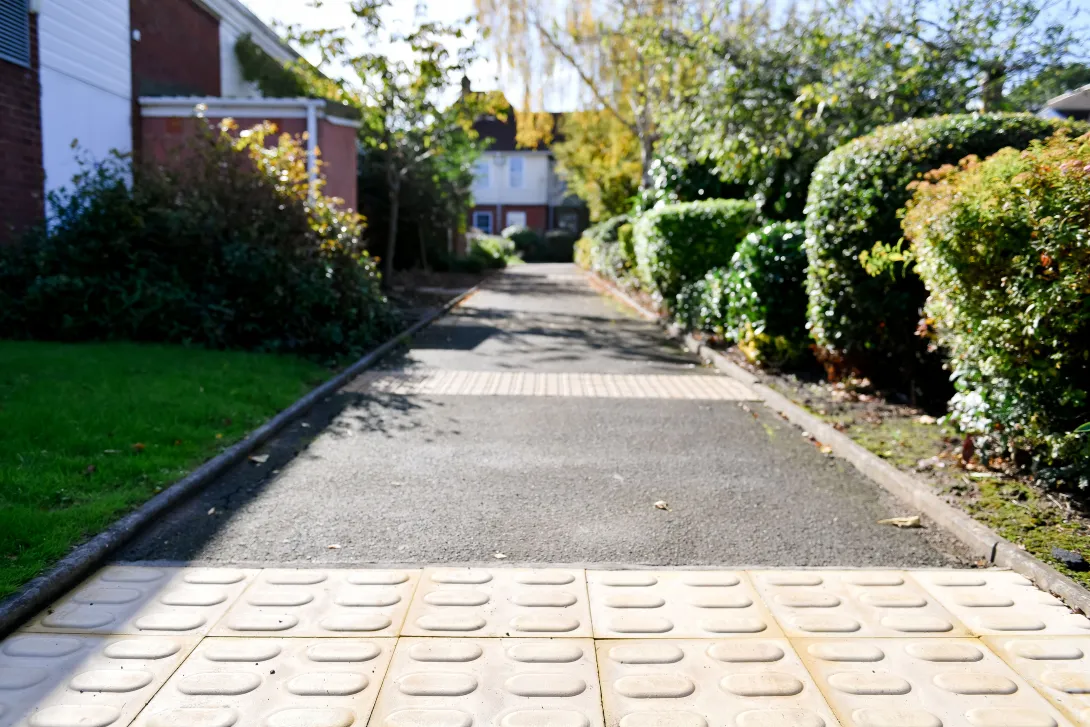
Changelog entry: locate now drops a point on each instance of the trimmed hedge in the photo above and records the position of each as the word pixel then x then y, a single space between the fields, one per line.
pixel 599 251
pixel 527 241
pixel 1003 246
pixel 863 323
pixel 676 244
pixel 759 301
pixel 491 251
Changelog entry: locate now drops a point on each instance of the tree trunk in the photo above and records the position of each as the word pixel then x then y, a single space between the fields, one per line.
pixel 423 247
pixel 991 86
pixel 391 238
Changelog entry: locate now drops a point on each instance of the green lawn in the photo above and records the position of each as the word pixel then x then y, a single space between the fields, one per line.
pixel 89 431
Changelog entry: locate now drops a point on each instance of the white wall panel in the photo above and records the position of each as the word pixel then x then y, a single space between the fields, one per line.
pixel 86 75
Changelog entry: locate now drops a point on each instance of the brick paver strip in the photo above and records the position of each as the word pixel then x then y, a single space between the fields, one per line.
pixel 512 647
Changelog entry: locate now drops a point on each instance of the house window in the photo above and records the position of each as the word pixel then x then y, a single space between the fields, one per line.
pixel 483 222
pixel 15 32
pixel 516 219
pixel 515 172
pixel 483 174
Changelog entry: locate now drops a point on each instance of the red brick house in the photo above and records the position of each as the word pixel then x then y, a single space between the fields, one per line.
pixel 130 76
pixel 519 186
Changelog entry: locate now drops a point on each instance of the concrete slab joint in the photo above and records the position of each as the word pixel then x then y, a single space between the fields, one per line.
pixel 528 647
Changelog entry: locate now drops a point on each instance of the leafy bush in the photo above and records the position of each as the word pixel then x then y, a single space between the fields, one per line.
pixel 600 251
pixel 491 251
pixel 867 323
pixel 674 179
pixel 1003 246
pixel 527 241
pixel 226 249
pixel 759 300
pixel 557 247
pixel 676 244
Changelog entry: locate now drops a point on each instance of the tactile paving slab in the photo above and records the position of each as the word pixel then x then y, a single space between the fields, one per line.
pixel 441 682
pixel 1059 668
pixel 145 600
pixel 500 602
pixel 1001 603
pixel 853 603
pixel 705 683
pixel 327 602
pixel 527 383
pixel 923 683
pixel 676 604
pixel 244 682
pixel 78 680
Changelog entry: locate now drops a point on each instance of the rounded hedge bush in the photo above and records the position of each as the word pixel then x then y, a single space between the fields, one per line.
pixel 759 300
pixel 864 323
pixel 1003 246
pixel 599 250
pixel 676 244
pixel 228 249
pixel 527 241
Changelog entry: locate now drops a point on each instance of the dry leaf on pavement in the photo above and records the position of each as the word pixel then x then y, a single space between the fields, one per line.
pixel 259 458
pixel 908 521
pixel 661 505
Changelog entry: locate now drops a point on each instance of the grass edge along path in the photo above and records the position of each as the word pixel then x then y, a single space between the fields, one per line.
pixel 90 431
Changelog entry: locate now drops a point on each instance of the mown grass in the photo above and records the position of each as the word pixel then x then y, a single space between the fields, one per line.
pixel 89 431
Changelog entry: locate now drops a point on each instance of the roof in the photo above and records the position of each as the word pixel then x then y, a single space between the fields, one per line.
pixel 240 17
pixel 1077 100
pixel 503 133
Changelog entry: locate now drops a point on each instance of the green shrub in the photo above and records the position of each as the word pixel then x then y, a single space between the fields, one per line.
pixel 527 241
pixel 225 250
pixel 599 250
pixel 1003 246
pixel 676 244
pixel 759 300
pixel 557 247
pixel 491 251
pixel 867 323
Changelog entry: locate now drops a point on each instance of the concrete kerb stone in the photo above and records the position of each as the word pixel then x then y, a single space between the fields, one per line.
pixel 74 567
pixel 981 541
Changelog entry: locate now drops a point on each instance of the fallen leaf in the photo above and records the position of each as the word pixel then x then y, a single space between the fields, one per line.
pixel 212 511
pixel 139 447
pixel 499 556
pixel 825 449
pixel 618 477
pixel 305 425
pixel 907 521
pixel 661 505
pixel 219 436
pixel 926 419
pixel 276 472
pixel 334 546
pixel 259 458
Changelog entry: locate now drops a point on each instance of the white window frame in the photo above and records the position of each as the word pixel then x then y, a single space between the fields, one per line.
pixel 482 174
pixel 518 164
pixel 522 218
pixel 484 213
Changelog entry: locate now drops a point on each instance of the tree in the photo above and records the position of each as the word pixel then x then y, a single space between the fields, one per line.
pixel 406 124
pixel 1053 81
pixel 613 46
pixel 599 159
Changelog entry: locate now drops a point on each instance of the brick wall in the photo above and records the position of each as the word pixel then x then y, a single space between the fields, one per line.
pixel 21 174
pixel 178 53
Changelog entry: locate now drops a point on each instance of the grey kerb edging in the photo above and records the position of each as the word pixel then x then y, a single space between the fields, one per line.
pixel 980 539
pixel 46 588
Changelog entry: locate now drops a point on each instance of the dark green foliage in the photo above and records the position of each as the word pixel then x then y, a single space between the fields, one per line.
pixel 271 76
pixel 676 244
pixel 214 252
pixel 1003 248
pixel 527 241
pixel 558 246
pixel 759 300
pixel 601 250
pixel 866 323
pixel 491 251
pixel 677 180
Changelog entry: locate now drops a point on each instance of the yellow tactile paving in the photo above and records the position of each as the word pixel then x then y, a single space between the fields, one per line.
pixel 698 683
pixel 500 602
pixel 1001 603
pixel 546 647
pixel 435 682
pixel 528 383
pixel 321 602
pixel 676 605
pixel 923 683
pixel 142 600
pixel 854 603
pixel 72 680
pixel 240 682
pixel 1058 667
